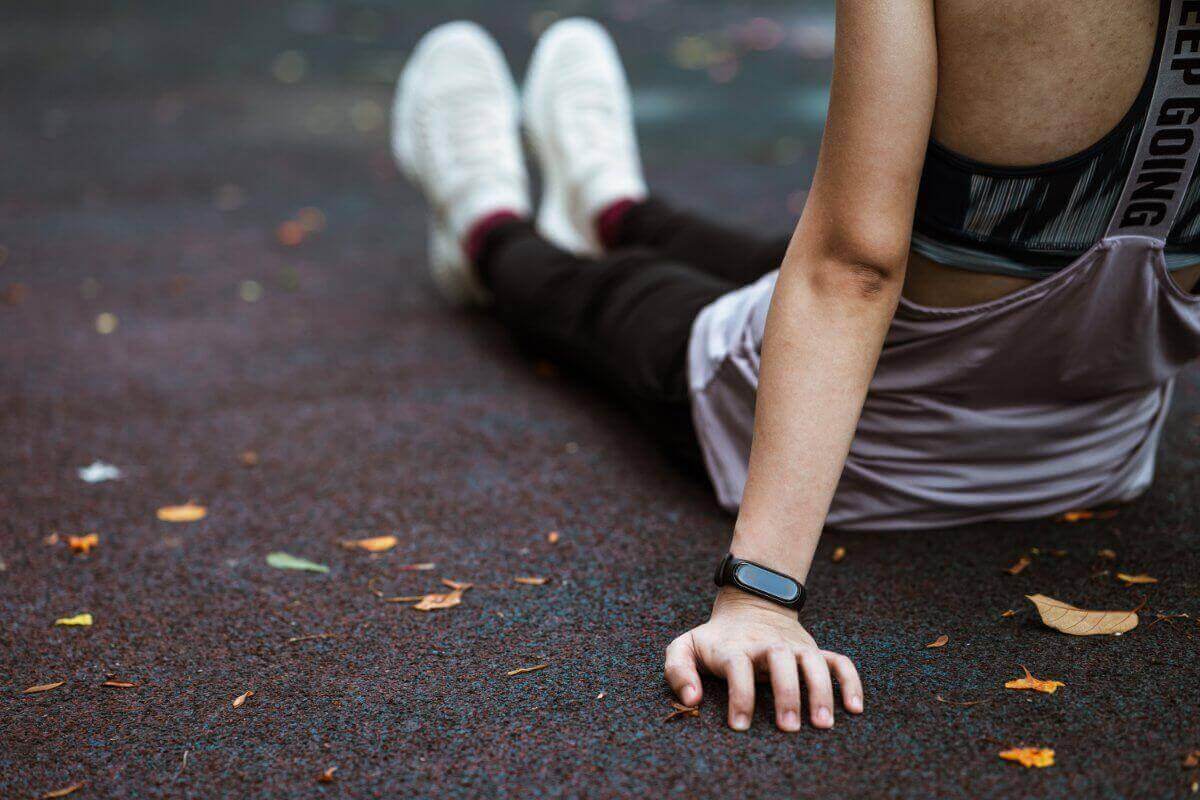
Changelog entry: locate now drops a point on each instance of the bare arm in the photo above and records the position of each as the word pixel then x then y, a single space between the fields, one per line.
pixel 834 300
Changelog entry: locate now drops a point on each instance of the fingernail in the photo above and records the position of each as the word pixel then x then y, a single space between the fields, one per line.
pixel 791 721
pixel 824 716
pixel 856 703
pixel 741 722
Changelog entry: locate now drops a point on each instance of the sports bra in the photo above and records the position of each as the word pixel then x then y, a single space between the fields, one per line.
pixel 1030 222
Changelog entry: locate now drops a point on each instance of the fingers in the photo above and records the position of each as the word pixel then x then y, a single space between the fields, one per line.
pixel 739 674
pixel 785 685
pixel 680 669
pixel 820 688
pixel 847 677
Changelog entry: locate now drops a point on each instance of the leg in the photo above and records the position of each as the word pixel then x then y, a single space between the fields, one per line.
pixel 624 321
pixel 733 255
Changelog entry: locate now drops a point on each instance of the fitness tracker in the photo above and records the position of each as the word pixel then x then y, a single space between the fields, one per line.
pixel 758 580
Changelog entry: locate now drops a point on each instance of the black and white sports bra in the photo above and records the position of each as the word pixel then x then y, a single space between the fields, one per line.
pixel 1030 222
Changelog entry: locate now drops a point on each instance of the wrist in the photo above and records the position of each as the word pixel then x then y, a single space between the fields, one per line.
pixel 731 600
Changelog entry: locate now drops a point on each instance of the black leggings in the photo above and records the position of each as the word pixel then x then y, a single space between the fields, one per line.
pixel 624 319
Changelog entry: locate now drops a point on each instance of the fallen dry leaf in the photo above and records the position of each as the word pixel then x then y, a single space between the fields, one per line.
pixel 940 641
pixel 1036 684
pixel 188 512
pixel 79 620
pixel 523 670
pixel 1079 622
pixel 288 561
pixel 327 775
pixel 1135 580
pixel 839 554
pixel 241 699
pixel 460 587
pixel 532 581
pixel 552 537
pixel 63 792
pixel 682 711
pixel 424 566
pixel 1109 555
pixel 1192 760
pixel 1019 567
pixel 83 544
pixel 310 637
pixel 1081 516
pixel 118 684
pixel 374 544
pixel 433 602
pixel 43 687
pixel 1009 613
pixel 1030 756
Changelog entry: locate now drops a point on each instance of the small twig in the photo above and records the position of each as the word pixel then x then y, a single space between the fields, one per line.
pixel 310 637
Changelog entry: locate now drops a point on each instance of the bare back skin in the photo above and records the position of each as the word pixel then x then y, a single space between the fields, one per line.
pixel 1026 82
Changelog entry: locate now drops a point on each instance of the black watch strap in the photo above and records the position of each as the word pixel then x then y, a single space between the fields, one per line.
pixel 760 581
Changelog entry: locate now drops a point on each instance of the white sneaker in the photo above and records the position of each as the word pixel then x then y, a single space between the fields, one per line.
pixel 456 135
pixel 579 118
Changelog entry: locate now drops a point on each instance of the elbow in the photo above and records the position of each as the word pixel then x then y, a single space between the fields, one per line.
pixel 861 279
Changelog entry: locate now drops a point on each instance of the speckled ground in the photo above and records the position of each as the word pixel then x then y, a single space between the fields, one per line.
pixel 374 409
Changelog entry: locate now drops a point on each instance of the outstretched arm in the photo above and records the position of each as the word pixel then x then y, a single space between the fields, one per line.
pixel 834 300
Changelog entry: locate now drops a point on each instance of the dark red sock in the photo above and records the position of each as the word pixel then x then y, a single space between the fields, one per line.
pixel 609 221
pixel 477 234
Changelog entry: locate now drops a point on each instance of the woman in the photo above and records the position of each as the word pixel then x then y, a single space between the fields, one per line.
pixel 979 316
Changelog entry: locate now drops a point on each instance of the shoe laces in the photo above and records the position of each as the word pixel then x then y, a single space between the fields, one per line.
pixel 475 133
pixel 592 112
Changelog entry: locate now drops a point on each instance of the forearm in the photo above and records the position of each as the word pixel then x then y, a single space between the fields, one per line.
pixel 825 330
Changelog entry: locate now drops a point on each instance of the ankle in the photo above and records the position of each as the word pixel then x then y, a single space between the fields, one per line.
pixel 476 238
pixel 610 222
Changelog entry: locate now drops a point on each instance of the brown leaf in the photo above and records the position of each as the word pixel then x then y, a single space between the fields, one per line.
pixel 1135 580
pixel 1036 684
pixel 327 775
pixel 433 602
pixel 241 699
pixel 43 687
pixel 1192 760
pixel 1084 515
pixel 1030 756
pixel 63 792
pixel 118 684
pixel 410 598
pixel 1019 567
pixel 682 711
pixel 839 554
pixel 552 537
pixel 188 512
pixel 83 544
pixel 1009 613
pixel 523 670
pixel 455 585
pixel 1079 622
pixel 1109 555
pixel 424 566
pixel 532 581
pixel 374 544
pixel 940 641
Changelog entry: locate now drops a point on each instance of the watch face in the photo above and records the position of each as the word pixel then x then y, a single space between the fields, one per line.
pixel 755 577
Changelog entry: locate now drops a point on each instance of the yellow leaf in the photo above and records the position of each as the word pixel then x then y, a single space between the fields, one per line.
pixel 63 792
pixel 839 553
pixel 523 670
pixel 188 512
pixel 1030 756
pixel 241 699
pixel 1078 622
pixel 1036 684
pixel 940 641
pixel 375 544
pixel 433 602
pixel 78 619
pixel 43 687
pixel 531 581
pixel 1134 580
pixel 83 544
